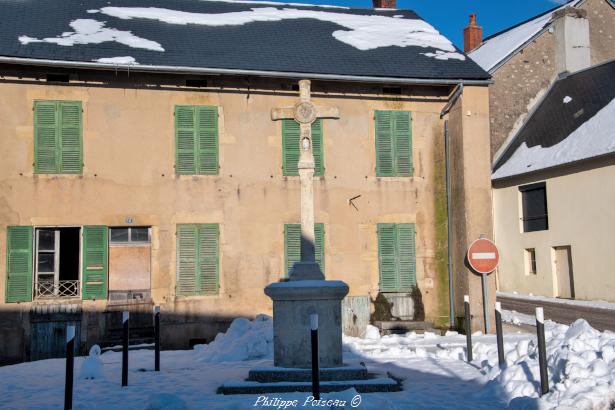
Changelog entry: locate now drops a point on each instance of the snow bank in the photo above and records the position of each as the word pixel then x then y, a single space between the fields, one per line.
pixel 244 340
pixel 165 401
pixel 365 32
pixel 89 31
pixel 599 304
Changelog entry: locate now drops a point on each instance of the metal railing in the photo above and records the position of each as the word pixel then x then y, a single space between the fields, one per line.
pixel 51 289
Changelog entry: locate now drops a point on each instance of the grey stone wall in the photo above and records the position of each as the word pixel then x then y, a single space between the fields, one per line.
pixel 519 81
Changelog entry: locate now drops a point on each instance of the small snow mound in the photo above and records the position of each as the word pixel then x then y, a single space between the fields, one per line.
pixel 580 329
pixel 244 340
pixel 372 333
pixel 165 401
pixel 567 99
pixel 92 367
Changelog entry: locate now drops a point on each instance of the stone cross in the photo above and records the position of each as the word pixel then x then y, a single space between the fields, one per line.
pixel 305 113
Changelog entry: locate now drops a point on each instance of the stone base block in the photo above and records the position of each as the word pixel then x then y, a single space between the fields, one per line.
pixel 361 386
pixel 281 374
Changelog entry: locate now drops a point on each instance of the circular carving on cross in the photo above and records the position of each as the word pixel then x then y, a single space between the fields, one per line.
pixel 305 112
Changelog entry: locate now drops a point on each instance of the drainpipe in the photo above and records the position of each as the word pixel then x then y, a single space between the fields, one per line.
pixel 449 227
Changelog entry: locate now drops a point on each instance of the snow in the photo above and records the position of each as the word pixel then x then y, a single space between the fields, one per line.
pixel 92 367
pixel 433 370
pixel 89 31
pixel 126 60
pixel 365 32
pixel 599 304
pixel 567 99
pixel 593 138
pixel 496 49
pixel 516 318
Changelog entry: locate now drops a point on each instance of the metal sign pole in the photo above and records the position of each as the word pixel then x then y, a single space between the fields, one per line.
pixel 485 302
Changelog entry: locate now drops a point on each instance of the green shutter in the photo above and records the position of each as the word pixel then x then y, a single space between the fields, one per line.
pixel 317 147
pixel 290 147
pixel 187 262
pixel 46 137
pixel 196 140
pixel 208 259
pixel 58 137
pixel 207 139
pixel 406 253
pixel 70 141
pixel 19 264
pixel 402 134
pixel 291 133
pixel 197 259
pixel 95 262
pixel 185 140
pixel 292 246
pixel 393 143
pixel 397 257
pixel 387 244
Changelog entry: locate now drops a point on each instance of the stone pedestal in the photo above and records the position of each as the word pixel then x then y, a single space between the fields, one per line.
pixel 293 303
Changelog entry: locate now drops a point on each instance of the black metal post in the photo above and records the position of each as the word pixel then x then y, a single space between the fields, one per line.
pixel 499 334
pixel 468 326
pixel 157 338
pixel 70 360
pixel 542 351
pixel 315 357
pixel 125 316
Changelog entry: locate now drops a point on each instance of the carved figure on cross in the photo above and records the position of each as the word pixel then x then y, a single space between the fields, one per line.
pixel 305 113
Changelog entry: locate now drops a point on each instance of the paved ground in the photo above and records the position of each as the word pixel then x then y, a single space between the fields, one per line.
pixel 601 319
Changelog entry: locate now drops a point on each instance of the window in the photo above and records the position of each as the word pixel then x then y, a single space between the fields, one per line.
pixel 196 140
pixel 530 261
pixel 128 235
pixel 393 143
pixel 534 204
pixel 290 146
pixel 58 137
pixel 57 262
pixel 397 257
pixel 292 246
pixel 197 259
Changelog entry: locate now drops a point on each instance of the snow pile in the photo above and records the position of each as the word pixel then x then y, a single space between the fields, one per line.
pixel 581 362
pixel 365 32
pixel 92 367
pixel 593 138
pixel 88 31
pixel 244 340
pixel 126 60
pixel 567 99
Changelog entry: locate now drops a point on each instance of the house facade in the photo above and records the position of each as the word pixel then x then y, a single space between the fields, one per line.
pixel 125 186
pixel 552 190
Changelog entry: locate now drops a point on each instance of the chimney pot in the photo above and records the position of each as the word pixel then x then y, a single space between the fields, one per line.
pixel 472 35
pixel 384 4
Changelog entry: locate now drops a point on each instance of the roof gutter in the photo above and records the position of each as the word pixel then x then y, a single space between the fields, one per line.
pixel 229 71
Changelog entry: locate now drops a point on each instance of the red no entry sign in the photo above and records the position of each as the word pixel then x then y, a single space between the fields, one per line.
pixel 483 256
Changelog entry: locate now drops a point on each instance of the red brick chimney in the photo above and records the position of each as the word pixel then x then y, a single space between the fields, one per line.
pixel 472 35
pixel 384 4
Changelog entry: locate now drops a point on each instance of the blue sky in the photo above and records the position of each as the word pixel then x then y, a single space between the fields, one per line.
pixel 451 16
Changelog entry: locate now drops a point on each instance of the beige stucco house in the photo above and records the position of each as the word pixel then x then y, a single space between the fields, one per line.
pixel 141 167
pixel 553 192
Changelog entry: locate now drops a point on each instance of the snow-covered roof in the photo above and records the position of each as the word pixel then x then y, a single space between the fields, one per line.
pixel 243 35
pixel 575 121
pixel 497 48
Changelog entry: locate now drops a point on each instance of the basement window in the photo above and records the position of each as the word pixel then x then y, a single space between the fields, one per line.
pixel 534 203
pixel 530 261
pixel 130 235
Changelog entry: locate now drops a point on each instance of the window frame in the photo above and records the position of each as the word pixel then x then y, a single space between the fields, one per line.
pixel 130 241
pixel 529 221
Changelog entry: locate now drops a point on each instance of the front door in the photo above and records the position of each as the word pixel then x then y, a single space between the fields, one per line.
pixel 562 262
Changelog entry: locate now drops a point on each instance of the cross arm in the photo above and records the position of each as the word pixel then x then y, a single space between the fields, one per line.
pixel 327 112
pixel 282 113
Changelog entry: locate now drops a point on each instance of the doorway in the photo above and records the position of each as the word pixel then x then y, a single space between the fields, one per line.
pixel 57 262
pixel 562 268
